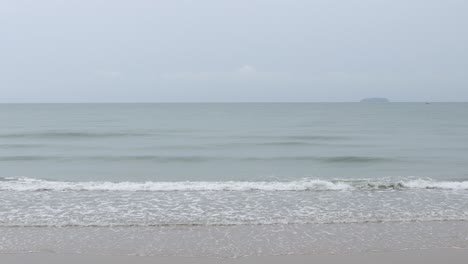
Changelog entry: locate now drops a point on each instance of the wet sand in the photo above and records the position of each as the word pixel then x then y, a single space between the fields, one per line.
pixel 236 241
pixel 413 242
pixel 452 256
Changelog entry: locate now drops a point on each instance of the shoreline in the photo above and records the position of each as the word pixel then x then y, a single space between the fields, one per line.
pixel 234 242
pixel 428 256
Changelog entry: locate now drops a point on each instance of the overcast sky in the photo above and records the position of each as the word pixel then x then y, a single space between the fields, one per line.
pixel 233 50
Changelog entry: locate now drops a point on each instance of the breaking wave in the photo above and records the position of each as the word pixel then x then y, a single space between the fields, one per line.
pixel 30 184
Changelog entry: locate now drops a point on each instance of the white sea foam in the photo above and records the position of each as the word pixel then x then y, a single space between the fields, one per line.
pixel 30 184
pixel 428 184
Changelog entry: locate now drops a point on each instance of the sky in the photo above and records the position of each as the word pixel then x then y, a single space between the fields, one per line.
pixel 233 51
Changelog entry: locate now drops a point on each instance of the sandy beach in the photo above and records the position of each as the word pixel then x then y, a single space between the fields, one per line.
pixel 417 256
pixel 432 242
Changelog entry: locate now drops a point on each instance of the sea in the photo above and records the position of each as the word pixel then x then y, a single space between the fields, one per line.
pixel 211 171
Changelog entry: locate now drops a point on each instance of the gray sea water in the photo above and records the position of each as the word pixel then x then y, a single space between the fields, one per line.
pixel 101 165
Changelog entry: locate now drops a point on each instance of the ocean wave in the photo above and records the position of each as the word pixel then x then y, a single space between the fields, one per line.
pixel 298 137
pixel 24 158
pixel 30 184
pixel 285 143
pixel 71 134
pixel 353 159
pixel 239 223
pixel 194 158
pixel 318 137
pixel 20 146
pixel 330 159
pixel 427 184
pixel 155 158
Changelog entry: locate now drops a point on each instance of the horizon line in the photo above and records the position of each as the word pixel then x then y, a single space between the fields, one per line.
pixel 229 102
